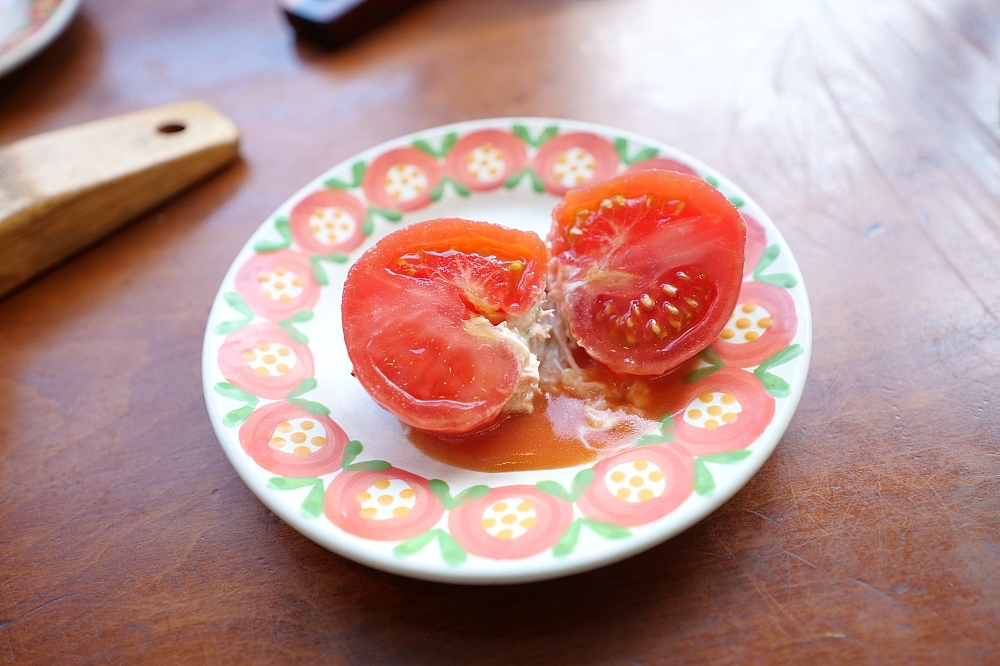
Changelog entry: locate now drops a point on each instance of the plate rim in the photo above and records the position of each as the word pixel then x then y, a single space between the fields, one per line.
pixel 354 548
pixel 36 42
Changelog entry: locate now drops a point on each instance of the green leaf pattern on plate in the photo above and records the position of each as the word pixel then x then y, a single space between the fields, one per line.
pixel 236 302
pixel 312 506
pixel 281 224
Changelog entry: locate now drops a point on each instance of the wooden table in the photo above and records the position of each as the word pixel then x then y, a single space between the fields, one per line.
pixel 870 133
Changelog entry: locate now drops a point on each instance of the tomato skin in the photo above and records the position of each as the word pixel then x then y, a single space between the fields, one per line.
pixel 374 180
pixel 417 346
pixel 238 372
pixel 553 518
pixel 603 153
pixel 664 239
pixel 255 437
pixel 511 148
pixel 343 509
pixel 663 163
pixel 299 221
pixel 757 411
pixel 776 337
pixel 676 467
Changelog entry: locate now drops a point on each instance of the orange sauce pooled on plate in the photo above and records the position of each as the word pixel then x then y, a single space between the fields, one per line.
pixel 559 433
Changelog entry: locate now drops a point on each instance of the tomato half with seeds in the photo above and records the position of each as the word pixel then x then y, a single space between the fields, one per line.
pixel 402 178
pixel 638 486
pixel 510 523
pixel 763 324
pixel 573 160
pixel 388 505
pixel 328 221
pixel 435 316
pixel 726 411
pixel 264 361
pixel 646 268
pixel 287 440
pixel 484 160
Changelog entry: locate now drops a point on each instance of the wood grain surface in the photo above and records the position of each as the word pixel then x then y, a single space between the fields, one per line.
pixel 868 130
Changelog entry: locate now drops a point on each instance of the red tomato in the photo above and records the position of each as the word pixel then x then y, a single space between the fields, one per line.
pixel 763 324
pixel 639 486
pixel 390 505
pixel 756 243
pixel 663 163
pixel 484 160
pixel 287 440
pixel 575 160
pixel 264 361
pixel 418 315
pixel 646 268
pixel 510 523
pixel 402 178
pixel 277 284
pixel 328 221
pixel 726 411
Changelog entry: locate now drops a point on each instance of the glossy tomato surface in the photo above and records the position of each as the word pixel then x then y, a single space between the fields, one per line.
pixel 646 268
pixel 420 314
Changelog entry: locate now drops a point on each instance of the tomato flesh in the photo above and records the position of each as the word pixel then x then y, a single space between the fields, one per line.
pixel 646 268
pixel 420 310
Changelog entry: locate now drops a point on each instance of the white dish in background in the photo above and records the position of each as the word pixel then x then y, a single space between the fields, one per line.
pixel 28 26
pixel 572 521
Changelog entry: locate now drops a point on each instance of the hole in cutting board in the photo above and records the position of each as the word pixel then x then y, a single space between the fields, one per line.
pixel 171 128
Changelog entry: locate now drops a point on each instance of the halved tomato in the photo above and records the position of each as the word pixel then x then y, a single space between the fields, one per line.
pixel 646 268
pixel 436 316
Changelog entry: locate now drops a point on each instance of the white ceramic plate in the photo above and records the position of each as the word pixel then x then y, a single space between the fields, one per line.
pixel 311 444
pixel 28 26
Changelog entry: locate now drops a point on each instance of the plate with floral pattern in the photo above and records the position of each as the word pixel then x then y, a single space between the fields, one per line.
pixel 28 26
pixel 312 445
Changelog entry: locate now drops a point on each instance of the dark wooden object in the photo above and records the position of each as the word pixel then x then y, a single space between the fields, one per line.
pixel 334 23
pixel 870 133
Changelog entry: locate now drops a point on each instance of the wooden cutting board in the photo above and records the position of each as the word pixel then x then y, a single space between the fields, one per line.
pixel 62 191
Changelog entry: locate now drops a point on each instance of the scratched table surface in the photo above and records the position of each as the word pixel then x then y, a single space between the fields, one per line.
pixel 868 130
